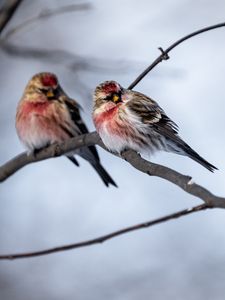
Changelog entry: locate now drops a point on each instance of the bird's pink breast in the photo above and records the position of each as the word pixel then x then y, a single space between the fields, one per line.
pixel 116 130
pixel 110 121
pixel 26 114
pixel 35 107
pixel 38 124
pixel 105 116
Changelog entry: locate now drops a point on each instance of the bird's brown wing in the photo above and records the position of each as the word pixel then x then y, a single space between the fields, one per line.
pixel 73 108
pixel 153 115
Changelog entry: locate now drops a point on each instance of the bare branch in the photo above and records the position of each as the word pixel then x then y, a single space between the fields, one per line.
pixel 7 12
pixel 101 239
pixel 184 182
pixel 165 56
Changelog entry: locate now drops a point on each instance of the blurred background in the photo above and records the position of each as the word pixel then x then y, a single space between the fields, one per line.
pixel 53 203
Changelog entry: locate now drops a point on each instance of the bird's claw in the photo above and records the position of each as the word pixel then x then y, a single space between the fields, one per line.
pixel 35 152
pixel 123 152
pixel 57 150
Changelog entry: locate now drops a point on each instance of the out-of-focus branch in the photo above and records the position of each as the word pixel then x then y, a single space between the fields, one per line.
pixel 101 239
pixel 183 181
pixel 47 13
pixel 7 12
pixel 72 61
pixel 165 56
pixel 68 59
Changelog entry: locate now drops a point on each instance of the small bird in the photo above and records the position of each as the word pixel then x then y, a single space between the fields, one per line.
pixel 127 119
pixel 46 115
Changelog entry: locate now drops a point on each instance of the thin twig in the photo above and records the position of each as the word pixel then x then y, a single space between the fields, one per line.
pixel 164 55
pixel 101 239
pixel 7 12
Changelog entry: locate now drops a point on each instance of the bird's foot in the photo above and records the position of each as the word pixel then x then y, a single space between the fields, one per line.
pixel 57 150
pixel 124 153
pixel 34 152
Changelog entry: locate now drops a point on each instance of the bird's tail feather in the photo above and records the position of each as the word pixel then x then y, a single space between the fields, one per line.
pixel 88 155
pixel 185 149
pixel 195 156
pixel 73 159
pixel 106 178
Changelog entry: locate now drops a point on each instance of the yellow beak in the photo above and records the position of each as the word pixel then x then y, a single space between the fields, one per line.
pixel 116 98
pixel 50 94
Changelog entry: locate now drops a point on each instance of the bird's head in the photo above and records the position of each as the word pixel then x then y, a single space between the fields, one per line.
pixel 45 84
pixel 108 95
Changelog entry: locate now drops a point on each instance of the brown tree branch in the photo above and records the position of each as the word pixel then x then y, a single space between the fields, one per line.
pixel 184 182
pixel 164 53
pixel 101 239
pixel 7 12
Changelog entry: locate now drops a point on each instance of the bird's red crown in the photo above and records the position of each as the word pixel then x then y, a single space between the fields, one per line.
pixel 49 80
pixel 110 87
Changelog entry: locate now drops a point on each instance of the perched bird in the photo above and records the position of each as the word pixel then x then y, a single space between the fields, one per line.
pixel 126 119
pixel 46 115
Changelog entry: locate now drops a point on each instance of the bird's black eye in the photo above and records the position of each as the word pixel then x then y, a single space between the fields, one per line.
pixel 114 97
pixel 49 93
pixel 44 91
pixel 108 98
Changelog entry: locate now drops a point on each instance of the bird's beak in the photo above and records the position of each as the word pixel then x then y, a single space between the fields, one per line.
pixel 50 94
pixel 116 98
